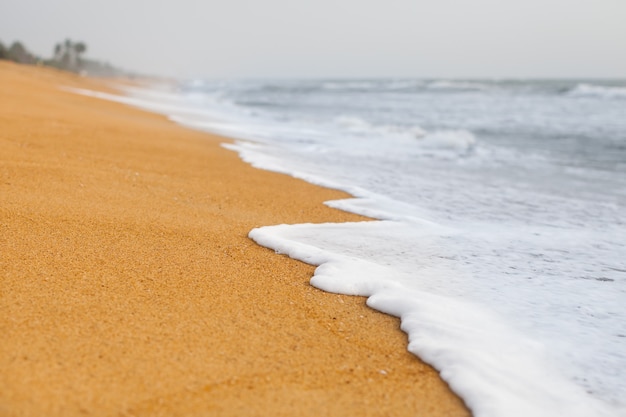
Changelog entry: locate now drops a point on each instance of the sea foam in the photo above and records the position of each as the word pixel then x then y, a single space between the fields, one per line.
pixel 495 369
pixel 458 141
pixel 590 90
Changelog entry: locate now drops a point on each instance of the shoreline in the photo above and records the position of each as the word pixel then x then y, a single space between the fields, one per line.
pixel 130 285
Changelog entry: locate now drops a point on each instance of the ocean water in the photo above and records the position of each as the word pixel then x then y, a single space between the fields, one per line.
pixel 501 243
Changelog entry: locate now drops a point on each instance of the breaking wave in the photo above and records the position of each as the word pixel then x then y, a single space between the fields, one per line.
pixel 460 141
pixel 599 91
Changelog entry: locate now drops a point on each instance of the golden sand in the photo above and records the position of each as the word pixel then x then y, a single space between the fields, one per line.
pixel 128 285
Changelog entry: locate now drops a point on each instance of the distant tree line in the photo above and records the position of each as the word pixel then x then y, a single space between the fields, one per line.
pixel 17 53
pixel 67 55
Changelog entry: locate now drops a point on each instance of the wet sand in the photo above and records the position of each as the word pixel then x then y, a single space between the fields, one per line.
pixel 128 285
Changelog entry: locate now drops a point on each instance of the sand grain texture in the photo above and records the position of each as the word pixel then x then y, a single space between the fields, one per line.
pixel 128 285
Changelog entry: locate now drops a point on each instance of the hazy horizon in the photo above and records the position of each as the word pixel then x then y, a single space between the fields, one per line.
pixel 342 39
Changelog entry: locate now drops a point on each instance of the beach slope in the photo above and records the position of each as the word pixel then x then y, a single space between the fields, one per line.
pixel 128 285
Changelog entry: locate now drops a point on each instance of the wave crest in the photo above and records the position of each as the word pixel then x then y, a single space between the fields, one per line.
pixel 357 125
pixel 458 141
pixel 599 91
pixel 461 141
pixel 457 85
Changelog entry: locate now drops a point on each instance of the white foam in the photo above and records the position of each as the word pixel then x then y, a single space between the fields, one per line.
pixel 590 90
pixel 400 84
pixel 457 141
pixel 495 369
pixel 456 85
pixel 152 101
pixel 357 125
pixel 353 85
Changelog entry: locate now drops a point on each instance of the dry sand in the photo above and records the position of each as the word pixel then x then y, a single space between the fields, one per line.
pixel 128 285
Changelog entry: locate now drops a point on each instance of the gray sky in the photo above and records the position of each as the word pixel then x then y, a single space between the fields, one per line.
pixel 340 38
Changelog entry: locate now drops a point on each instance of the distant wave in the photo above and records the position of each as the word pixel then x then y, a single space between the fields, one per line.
pixel 599 91
pixel 403 84
pixel 376 86
pixel 457 141
pixel 359 126
pixel 457 85
pixel 195 83
pixel 348 85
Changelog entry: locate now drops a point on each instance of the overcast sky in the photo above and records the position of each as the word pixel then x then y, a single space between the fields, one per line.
pixel 333 38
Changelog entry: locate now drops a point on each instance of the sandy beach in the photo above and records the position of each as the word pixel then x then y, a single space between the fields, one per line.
pixel 128 285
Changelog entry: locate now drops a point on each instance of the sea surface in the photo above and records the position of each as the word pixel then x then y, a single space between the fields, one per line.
pixel 502 204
